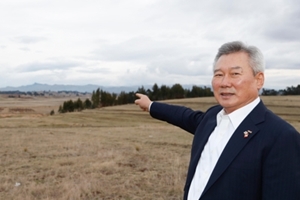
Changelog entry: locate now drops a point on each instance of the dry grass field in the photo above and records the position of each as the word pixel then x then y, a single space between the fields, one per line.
pixel 109 153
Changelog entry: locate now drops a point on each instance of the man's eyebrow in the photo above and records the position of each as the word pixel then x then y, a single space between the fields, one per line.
pixel 216 70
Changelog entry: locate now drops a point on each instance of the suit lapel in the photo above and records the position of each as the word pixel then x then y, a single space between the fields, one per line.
pixel 237 142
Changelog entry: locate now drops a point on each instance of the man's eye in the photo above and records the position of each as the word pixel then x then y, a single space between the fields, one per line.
pixel 218 74
pixel 235 73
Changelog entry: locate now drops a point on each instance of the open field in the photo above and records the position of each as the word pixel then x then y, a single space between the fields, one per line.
pixel 109 153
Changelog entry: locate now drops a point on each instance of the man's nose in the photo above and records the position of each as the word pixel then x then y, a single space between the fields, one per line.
pixel 226 81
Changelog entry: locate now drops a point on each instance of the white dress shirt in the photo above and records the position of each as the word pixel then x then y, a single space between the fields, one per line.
pixel 226 125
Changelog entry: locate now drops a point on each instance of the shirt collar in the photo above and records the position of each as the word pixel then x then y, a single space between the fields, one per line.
pixel 237 116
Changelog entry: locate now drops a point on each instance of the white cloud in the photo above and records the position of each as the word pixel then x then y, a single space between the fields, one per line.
pixel 135 42
pixel 280 78
pixel 29 39
pixel 48 65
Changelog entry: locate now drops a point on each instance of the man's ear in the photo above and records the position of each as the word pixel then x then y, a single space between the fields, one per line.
pixel 260 79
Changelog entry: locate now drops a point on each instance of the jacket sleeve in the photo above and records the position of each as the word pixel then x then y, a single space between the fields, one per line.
pixel 180 116
pixel 281 168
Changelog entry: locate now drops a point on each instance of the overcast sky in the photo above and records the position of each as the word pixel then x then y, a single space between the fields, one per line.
pixel 142 42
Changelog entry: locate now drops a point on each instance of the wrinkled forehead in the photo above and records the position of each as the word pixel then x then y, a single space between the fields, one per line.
pixel 233 68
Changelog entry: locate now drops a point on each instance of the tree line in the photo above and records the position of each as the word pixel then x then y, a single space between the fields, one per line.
pixel 288 91
pixel 102 98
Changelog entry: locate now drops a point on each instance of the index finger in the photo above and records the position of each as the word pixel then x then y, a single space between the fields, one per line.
pixel 139 95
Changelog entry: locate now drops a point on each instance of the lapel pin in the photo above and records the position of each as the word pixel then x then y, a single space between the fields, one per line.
pixel 246 133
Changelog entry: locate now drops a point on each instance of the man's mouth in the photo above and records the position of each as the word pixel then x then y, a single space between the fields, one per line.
pixel 226 94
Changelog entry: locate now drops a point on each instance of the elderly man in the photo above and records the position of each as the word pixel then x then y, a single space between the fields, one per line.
pixel 241 150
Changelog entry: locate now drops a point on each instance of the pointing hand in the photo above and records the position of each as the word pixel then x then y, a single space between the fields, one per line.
pixel 143 101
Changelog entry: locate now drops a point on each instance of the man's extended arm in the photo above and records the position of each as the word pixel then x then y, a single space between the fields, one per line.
pixel 180 116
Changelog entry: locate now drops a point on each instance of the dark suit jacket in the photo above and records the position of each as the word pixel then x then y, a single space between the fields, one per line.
pixel 263 166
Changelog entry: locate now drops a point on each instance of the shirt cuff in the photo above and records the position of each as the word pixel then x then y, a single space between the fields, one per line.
pixel 150 106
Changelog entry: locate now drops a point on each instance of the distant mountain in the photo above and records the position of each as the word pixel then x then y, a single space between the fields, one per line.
pixel 79 88
pixel 37 87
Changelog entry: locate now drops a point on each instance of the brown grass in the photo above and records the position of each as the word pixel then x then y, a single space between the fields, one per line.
pixel 110 153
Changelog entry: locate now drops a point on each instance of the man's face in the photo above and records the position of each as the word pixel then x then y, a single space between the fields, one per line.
pixel 234 83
